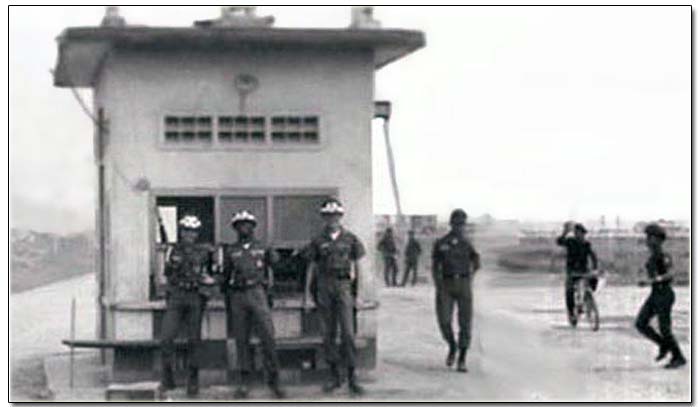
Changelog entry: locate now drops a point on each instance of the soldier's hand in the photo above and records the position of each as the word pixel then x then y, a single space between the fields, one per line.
pixel 162 280
pixel 353 275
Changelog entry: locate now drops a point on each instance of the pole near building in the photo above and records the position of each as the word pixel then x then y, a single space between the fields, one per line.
pixel 382 110
pixel 72 341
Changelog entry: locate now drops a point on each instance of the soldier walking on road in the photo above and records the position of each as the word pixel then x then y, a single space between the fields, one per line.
pixel 454 262
pixel 333 261
pixel 247 275
pixel 188 269
pixel 660 300
pixel 387 247
pixel 413 251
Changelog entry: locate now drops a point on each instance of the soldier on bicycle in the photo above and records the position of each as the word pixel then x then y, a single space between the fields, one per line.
pixel 578 252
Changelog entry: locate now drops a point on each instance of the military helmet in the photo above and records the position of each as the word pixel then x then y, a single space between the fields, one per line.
pixel 332 207
pixel 580 228
pixel 243 216
pixel 653 229
pixel 458 217
pixel 190 222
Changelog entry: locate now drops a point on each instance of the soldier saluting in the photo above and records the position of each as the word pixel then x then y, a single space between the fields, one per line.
pixel 454 262
pixel 333 261
pixel 188 269
pixel 247 274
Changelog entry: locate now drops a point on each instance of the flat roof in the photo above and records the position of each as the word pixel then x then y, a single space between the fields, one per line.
pixel 81 50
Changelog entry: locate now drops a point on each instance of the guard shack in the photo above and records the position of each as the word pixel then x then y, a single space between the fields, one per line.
pixel 230 113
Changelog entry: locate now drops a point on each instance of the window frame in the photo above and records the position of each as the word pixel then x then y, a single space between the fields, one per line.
pixel 216 145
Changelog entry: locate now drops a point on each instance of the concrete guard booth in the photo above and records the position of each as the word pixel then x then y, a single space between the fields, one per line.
pixel 227 114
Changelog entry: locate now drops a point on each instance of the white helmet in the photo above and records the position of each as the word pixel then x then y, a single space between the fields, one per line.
pixel 332 206
pixel 190 222
pixel 243 216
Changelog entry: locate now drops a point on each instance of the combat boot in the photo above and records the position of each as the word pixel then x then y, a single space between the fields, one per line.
pixel 451 355
pixel 353 386
pixel 663 352
pixel 334 381
pixel 167 381
pixel 243 386
pixel 676 362
pixel 193 382
pixel 462 360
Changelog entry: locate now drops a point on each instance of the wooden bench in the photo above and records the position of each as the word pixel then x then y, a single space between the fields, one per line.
pixel 139 360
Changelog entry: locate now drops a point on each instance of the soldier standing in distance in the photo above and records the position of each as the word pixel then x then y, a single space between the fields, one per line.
pixel 660 300
pixel 413 251
pixel 454 262
pixel 247 274
pixel 188 269
pixel 387 247
pixel 333 261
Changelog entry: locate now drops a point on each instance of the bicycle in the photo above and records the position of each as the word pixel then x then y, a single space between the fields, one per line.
pixel 584 301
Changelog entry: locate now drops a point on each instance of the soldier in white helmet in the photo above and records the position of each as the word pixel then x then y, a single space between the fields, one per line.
pixel 333 258
pixel 188 268
pixel 247 275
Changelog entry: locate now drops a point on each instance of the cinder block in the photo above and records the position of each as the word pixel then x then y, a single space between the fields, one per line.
pixel 133 325
pixel 367 322
pixel 214 325
pixel 287 323
pixel 141 391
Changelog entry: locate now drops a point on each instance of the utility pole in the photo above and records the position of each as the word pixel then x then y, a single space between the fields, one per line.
pixel 382 110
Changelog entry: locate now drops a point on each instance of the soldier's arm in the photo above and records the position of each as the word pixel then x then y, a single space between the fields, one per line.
pixel 271 260
pixel 171 265
pixel 310 269
pixel 208 269
pixel 562 239
pixel 667 265
pixel 358 252
pixel 310 253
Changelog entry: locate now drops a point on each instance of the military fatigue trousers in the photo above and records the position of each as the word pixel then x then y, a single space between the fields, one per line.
pixel 451 291
pixel 183 308
pixel 391 270
pixel 659 303
pixel 410 269
pixel 336 304
pixel 248 309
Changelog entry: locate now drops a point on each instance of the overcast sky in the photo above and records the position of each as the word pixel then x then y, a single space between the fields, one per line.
pixel 537 113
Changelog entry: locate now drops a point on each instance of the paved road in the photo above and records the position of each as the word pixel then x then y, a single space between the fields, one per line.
pixel 40 317
pixel 522 347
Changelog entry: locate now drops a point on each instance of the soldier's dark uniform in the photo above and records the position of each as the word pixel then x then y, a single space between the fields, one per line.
pixel 454 261
pixel 245 277
pixel 659 303
pixel 185 267
pixel 387 246
pixel 334 259
pixel 577 254
pixel 413 251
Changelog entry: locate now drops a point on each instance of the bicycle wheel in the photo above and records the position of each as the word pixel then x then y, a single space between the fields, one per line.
pixel 591 311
